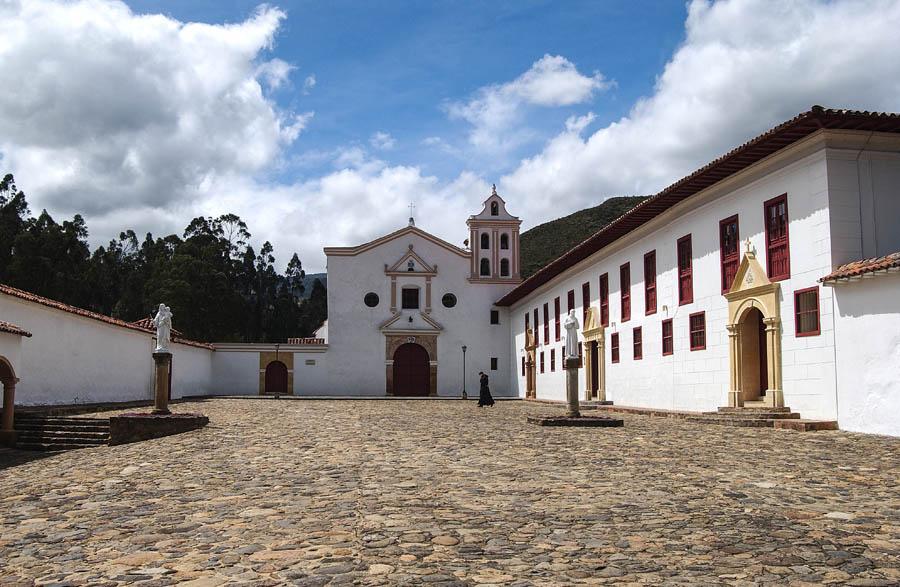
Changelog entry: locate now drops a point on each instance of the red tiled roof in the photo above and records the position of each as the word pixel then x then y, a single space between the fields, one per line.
pixel 147 324
pixel 12 329
pixel 856 269
pixel 738 159
pixel 30 297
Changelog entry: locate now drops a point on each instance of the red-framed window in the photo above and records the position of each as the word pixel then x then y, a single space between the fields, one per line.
pixel 604 299
pixel 527 325
pixel 556 323
pixel 637 342
pixel 570 301
pixel 806 312
pixel 537 326
pixel 698 331
pixel 778 252
pixel 650 283
pixel 523 366
pixel 685 271
pixel 668 340
pixel 542 361
pixel 580 355
pixel 585 301
pixel 729 250
pixel 552 360
pixel 625 285
pixel 546 323
pixel 614 347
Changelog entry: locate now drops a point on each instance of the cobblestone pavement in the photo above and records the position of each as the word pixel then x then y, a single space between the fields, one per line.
pixel 416 492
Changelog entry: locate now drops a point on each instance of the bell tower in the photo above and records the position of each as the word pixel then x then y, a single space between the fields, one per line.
pixel 494 242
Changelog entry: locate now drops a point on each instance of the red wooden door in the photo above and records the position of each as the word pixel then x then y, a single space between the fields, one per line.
pixel 411 372
pixel 276 378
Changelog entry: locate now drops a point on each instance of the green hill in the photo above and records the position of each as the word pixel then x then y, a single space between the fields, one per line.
pixel 547 241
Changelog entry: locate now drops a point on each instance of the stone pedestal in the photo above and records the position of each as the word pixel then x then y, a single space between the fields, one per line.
pixel 572 387
pixel 163 361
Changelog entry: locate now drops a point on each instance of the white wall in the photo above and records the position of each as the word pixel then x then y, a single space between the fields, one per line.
pixel 698 380
pixel 314 379
pixel 235 372
pixel 11 350
pixel 868 354
pixel 357 346
pixel 75 359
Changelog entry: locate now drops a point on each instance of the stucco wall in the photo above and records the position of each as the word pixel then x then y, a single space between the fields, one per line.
pixel 75 359
pixel 11 350
pixel 868 355
pixel 698 380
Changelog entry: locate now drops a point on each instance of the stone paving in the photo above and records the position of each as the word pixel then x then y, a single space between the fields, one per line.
pixel 438 492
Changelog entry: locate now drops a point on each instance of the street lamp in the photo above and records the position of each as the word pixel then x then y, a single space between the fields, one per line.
pixel 464 396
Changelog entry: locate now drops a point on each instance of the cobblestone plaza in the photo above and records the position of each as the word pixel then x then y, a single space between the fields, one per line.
pixel 440 492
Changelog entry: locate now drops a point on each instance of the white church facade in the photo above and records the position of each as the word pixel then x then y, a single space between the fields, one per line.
pixel 769 277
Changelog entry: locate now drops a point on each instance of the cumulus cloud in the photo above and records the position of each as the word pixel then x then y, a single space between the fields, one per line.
pixel 495 110
pixel 745 65
pixel 117 115
pixel 383 141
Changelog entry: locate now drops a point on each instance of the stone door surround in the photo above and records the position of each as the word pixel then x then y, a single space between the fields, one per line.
pixel 393 341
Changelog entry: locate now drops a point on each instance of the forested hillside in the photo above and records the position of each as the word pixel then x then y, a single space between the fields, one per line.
pixel 218 286
pixel 547 241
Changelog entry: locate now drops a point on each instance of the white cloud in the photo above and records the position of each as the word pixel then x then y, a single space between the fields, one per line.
pixel 274 72
pixel 495 111
pixel 576 124
pixel 382 141
pixel 745 65
pixel 309 83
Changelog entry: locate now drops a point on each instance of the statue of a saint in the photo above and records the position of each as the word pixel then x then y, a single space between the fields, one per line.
pixel 163 323
pixel 571 325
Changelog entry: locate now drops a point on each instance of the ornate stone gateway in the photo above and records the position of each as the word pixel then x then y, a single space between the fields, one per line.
pixel 594 357
pixel 754 334
pixel 410 369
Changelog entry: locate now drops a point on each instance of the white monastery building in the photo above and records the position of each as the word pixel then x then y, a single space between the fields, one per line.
pixel 769 277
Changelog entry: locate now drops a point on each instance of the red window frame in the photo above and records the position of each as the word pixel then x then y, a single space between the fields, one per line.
pixel 546 323
pixel 537 325
pixel 778 245
pixel 697 327
pixel 668 337
pixel 685 270
pixel 650 283
pixel 614 347
pixel 604 299
pixel 556 324
pixel 542 361
pixel 637 343
pixel 729 256
pixel 527 322
pixel 585 301
pixel 798 313
pixel 523 366
pixel 625 287
pixel 570 301
pixel 552 360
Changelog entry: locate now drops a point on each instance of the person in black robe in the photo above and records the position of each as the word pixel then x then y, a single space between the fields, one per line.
pixel 484 395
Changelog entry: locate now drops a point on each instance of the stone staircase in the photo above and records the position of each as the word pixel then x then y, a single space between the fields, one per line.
pixel 746 417
pixel 55 433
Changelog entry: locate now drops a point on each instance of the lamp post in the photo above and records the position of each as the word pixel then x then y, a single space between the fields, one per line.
pixel 464 396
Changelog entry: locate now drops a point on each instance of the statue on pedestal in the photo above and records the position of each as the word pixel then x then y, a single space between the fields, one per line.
pixel 571 325
pixel 163 323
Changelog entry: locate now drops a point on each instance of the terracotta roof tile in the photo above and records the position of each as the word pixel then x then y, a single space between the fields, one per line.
pixel 34 298
pixel 147 324
pixel 856 269
pixel 734 161
pixel 12 329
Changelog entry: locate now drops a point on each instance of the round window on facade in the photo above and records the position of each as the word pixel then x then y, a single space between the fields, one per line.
pixel 371 299
pixel 449 300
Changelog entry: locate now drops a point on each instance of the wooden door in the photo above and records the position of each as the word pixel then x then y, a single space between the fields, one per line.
pixel 595 368
pixel 276 378
pixel 411 370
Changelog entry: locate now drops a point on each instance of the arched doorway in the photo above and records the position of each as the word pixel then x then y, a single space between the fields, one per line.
pixel 411 370
pixel 754 359
pixel 8 382
pixel 276 378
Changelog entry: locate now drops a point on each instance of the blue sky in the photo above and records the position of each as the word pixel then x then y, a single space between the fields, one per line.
pixel 319 122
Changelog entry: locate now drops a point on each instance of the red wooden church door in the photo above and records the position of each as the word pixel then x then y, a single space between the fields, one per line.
pixel 411 372
pixel 276 378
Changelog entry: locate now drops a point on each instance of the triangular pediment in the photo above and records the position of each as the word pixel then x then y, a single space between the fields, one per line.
pixel 411 321
pixel 411 262
pixel 750 275
pixel 592 325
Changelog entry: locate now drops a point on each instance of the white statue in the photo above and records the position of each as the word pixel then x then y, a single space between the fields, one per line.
pixel 163 323
pixel 571 325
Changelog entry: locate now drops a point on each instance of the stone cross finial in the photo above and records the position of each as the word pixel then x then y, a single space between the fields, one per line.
pixel 412 220
pixel 493 189
pixel 749 246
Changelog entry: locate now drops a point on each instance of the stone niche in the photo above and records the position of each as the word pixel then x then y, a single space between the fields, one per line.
pixel 126 428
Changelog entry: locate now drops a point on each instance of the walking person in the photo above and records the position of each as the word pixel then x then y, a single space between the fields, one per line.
pixel 484 395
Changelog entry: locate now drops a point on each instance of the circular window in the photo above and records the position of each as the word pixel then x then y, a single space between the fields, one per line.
pixel 371 299
pixel 449 300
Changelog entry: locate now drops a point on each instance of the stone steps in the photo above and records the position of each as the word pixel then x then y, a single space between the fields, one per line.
pixel 56 433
